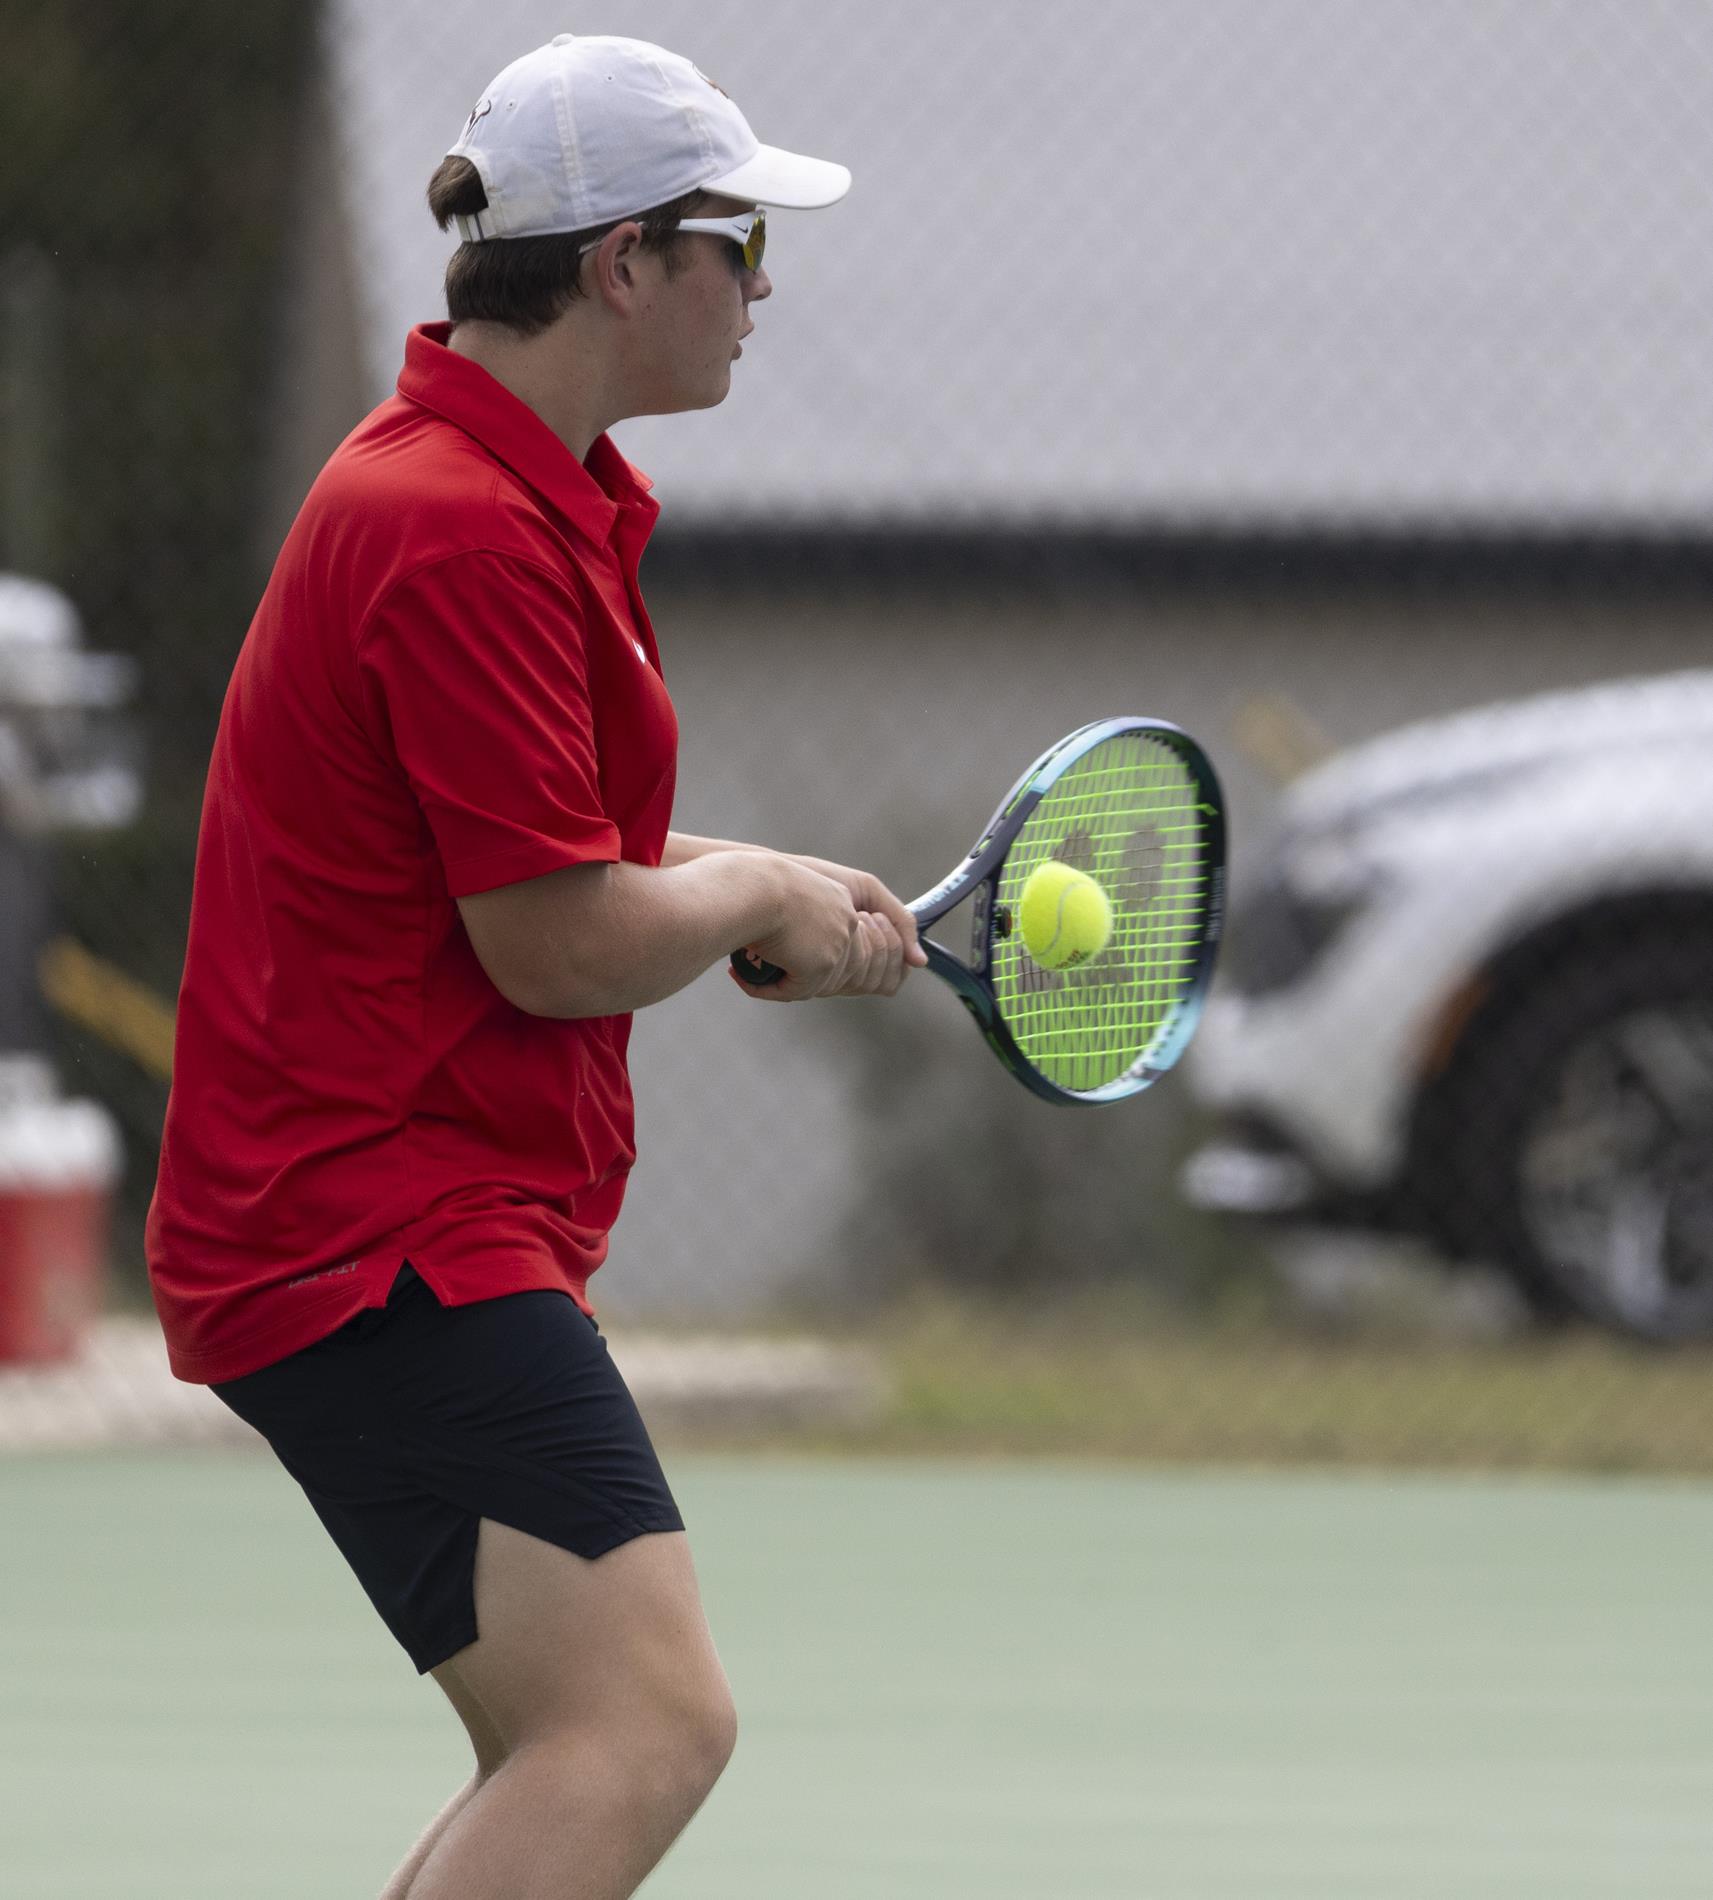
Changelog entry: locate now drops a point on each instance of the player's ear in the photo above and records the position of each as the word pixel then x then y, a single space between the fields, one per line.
pixel 612 265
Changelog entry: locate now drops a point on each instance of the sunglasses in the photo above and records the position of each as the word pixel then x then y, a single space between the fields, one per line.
pixel 748 232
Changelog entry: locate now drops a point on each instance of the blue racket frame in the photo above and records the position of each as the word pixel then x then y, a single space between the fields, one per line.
pixel 978 874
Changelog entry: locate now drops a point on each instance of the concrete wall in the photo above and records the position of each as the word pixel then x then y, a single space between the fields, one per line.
pixel 880 725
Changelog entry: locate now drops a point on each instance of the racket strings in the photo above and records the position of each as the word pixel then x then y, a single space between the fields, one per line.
pixel 1131 814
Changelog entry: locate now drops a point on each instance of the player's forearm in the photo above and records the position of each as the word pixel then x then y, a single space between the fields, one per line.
pixel 640 934
pixel 682 847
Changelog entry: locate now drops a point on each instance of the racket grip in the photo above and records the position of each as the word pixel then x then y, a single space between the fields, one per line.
pixel 759 975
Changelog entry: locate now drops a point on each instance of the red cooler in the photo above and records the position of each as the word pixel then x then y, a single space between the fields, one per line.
pixel 59 1166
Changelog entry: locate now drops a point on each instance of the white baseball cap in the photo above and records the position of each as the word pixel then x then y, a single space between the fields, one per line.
pixel 590 129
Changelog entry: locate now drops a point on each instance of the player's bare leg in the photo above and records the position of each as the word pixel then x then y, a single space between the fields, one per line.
pixel 489 1755
pixel 600 1685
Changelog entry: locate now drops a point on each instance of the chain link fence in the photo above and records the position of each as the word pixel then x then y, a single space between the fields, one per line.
pixel 1325 377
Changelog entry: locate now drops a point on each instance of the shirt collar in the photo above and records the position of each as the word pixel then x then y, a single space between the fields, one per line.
pixel 599 495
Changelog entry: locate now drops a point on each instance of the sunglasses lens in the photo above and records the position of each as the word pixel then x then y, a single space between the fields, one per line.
pixel 756 243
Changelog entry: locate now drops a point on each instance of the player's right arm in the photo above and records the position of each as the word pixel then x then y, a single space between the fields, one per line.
pixel 472 678
pixel 604 939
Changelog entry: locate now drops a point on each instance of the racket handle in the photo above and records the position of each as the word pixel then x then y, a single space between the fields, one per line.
pixel 759 975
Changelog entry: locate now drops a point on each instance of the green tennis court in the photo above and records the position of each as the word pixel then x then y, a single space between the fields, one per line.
pixel 955 1679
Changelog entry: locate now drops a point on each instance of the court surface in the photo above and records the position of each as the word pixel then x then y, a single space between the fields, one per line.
pixel 1032 1680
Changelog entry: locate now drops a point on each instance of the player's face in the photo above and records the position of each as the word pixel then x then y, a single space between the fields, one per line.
pixel 701 316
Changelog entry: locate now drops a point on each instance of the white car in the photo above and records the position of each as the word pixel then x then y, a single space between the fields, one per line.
pixel 1467 991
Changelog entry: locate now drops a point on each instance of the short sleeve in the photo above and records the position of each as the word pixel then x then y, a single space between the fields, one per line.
pixel 474 675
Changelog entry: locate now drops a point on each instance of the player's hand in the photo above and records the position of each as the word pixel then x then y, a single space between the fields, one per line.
pixel 877 965
pixel 822 945
pixel 868 894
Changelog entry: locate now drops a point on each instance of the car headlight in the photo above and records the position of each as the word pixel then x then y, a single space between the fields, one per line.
pixel 1279 928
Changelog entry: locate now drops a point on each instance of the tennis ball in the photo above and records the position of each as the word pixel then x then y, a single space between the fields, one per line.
pixel 1064 916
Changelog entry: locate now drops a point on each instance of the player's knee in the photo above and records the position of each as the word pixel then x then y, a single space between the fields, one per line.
pixel 688 1736
pixel 716 1732
pixel 693 1738
pixel 664 1758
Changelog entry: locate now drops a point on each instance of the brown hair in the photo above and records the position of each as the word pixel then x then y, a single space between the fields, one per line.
pixel 526 283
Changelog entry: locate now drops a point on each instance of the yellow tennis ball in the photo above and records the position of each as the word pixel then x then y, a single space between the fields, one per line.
pixel 1064 916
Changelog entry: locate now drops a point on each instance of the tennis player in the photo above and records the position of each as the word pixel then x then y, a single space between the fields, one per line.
pixel 433 881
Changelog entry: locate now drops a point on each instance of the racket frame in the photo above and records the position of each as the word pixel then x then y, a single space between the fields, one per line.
pixel 978 873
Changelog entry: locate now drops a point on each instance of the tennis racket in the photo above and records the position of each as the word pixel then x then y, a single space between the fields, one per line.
pixel 1134 804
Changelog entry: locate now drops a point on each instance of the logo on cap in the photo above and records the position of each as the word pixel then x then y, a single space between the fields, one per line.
pixel 710 82
pixel 480 110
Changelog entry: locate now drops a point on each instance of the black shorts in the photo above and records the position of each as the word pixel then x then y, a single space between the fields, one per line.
pixel 414 1421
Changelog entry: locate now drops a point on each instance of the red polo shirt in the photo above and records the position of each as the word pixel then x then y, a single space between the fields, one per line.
pixel 451 684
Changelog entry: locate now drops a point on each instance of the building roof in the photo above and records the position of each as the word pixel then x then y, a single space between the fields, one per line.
pixel 1337 264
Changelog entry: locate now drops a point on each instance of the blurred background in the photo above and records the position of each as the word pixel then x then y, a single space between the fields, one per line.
pixel 1328 377
pixel 1299 375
